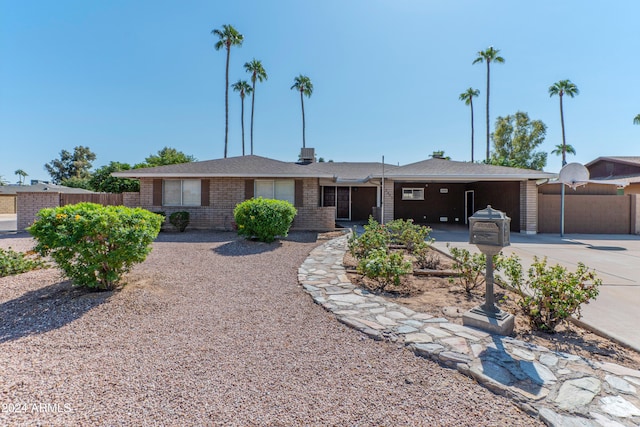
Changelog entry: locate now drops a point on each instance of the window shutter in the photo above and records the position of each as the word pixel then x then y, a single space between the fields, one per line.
pixel 248 189
pixel 157 192
pixel 204 192
pixel 299 193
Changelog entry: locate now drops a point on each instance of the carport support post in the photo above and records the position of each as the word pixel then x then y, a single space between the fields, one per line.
pixel 562 210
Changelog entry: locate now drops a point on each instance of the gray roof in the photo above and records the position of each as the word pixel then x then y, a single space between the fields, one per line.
pixel 258 167
pixel 40 187
pixel 450 170
pixel 242 166
pixel 353 171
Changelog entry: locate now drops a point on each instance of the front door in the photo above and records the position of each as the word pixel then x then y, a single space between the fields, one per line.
pixel 343 203
pixel 469 207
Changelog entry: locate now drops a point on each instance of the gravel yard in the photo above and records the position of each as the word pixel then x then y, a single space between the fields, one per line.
pixel 213 330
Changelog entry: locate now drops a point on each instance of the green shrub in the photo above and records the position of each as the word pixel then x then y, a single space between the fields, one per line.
pixel 550 294
pixel 386 268
pixel 470 268
pixel 179 220
pixel 95 245
pixel 375 236
pixel 407 233
pixel 264 219
pixel 163 214
pixel 425 256
pixel 12 262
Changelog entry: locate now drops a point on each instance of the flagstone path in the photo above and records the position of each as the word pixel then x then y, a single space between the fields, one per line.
pixel 560 388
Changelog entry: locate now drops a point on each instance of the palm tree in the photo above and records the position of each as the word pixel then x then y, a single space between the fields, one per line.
pixel 467 97
pixel 21 175
pixel 304 85
pixel 257 73
pixel 568 149
pixel 561 88
pixel 243 87
pixel 227 37
pixel 636 120
pixel 490 55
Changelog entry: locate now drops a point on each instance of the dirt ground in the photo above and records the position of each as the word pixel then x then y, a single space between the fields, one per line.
pixel 439 297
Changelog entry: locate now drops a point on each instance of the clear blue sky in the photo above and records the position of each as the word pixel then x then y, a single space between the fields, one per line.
pixel 127 78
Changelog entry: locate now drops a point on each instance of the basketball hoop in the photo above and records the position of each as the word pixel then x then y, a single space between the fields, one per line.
pixel 574 175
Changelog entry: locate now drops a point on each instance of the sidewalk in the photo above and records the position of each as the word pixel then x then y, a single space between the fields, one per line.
pixel 616 259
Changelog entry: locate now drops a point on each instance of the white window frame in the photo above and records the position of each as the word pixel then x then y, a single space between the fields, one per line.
pixel 182 192
pixel 412 193
pixel 273 194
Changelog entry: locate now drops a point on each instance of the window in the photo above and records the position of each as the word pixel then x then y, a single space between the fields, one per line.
pixel 413 194
pixel 282 189
pixel 181 192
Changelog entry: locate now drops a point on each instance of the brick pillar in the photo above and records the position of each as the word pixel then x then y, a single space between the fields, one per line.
pixel 387 209
pixel 528 207
pixel 29 204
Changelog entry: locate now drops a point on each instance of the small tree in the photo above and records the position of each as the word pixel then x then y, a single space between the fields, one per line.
pixel 166 156
pixel 95 245
pixel 76 165
pixel 264 219
pixel 103 181
pixel 515 139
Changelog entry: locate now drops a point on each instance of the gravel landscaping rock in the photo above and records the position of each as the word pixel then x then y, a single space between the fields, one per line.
pixel 214 330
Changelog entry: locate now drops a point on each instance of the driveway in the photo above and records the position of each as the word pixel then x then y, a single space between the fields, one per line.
pixel 616 259
pixel 8 222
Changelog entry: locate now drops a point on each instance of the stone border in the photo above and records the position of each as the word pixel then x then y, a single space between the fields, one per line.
pixel 562 389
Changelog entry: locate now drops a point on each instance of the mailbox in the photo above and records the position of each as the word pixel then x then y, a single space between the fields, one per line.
pixel 489 227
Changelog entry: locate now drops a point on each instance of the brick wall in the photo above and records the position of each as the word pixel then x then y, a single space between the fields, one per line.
pixel 590 214
pixel 226 193
pixel 7 204
pixel 131 200
pixel 29 204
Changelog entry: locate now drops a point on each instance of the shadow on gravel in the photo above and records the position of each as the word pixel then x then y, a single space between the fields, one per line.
pixel 46 309
pixel 243 246
pixel 197 236
pixel 246 247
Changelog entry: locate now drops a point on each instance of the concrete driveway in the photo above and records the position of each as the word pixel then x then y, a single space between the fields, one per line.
pixel 616 259
pixel 8 222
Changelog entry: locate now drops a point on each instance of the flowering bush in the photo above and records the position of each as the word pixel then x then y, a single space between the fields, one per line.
pixel 550 294
pixel 469 267
pixel 264 219
pixel 95 245
pixel 386 268
pixel 375 236
pixel 408 234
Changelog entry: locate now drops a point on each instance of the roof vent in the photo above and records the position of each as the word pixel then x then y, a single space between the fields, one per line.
pixel 307 155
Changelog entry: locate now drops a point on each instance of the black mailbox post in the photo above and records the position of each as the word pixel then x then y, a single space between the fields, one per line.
pixel 489 230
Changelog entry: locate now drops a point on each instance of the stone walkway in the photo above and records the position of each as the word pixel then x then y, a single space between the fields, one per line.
pixel 562 389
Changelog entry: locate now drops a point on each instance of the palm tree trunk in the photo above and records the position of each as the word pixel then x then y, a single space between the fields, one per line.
pixel 564 144
pixel 226 104
pixel 472 148
pixel 242 123
pixel 488 78
pixel 253 99
pixel 303 126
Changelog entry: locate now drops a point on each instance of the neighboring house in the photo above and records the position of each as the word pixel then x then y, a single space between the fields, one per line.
pixel 8 193
pixel 619 168
pixel 432 191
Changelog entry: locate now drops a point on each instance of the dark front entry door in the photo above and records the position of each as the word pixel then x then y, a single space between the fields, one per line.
pixel 363 199
pixel 342 208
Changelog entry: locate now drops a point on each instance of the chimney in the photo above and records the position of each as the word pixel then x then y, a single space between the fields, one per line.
pixel 307 155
